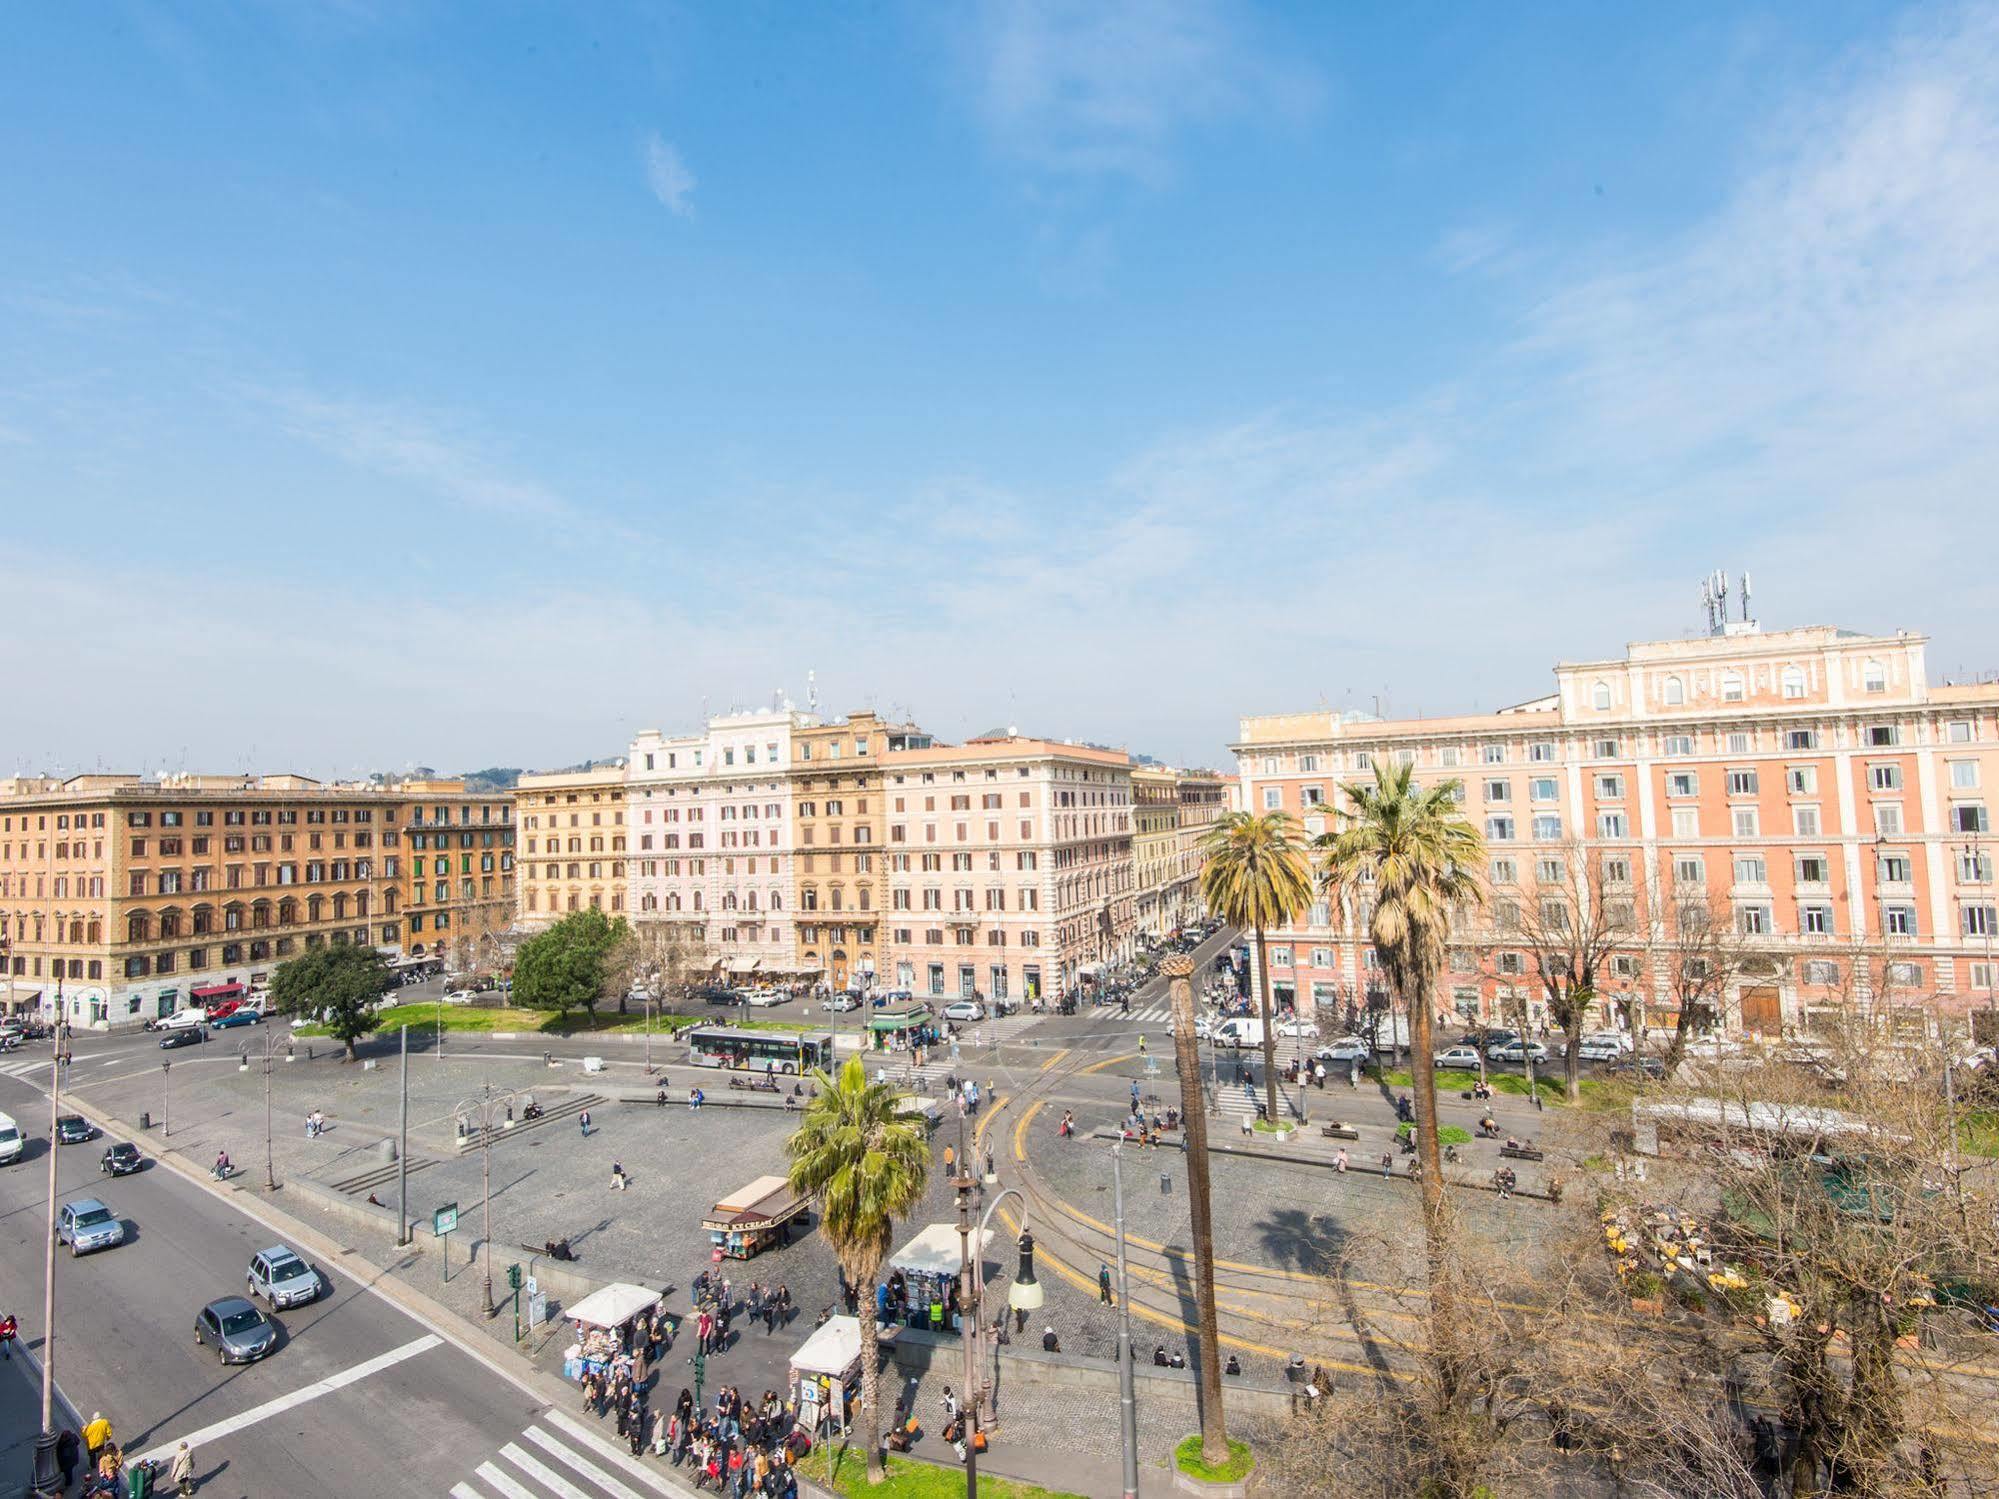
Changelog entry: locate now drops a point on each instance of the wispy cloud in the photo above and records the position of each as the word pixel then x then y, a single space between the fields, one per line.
pixel 668 176
pixel 1102 87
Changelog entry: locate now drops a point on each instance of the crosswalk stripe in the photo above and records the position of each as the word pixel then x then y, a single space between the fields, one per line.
pixel 465 1491
pixel 502 1482
pixel 549 1479
pixel 581 1464
pixel 589 1440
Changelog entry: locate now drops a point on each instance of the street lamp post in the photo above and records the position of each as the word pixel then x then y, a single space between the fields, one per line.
pixel 166 1099
pixel 1023 1296
pixel 47 1480
pixel 483 1106
pixel 270 1176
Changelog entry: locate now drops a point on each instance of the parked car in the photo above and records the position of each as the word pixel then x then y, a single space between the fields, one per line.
pixel 1649 1069
pixel 1613 1040
pixel 87 1225
pixel 1495 1037
pixel 234 1018
pixel 766 999
pixel 1296 1027
pixel 965 1009
pixel 236 1330
pixel 223 1007
pixel 1458 1056
pixel 1517 1051
pixel 839 1004
pixel 458 996
pixel 74 1129
pixel 121 1159
pixel 282 1278
pixel 186 1036
pixel 1346 1049
pixel 1592 1050
pixel 192 1015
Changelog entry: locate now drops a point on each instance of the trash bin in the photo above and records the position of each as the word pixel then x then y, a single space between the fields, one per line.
pixel 139 1481
pixel 145 1120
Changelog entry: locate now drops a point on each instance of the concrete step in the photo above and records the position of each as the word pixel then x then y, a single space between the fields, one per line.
pixel 566 1109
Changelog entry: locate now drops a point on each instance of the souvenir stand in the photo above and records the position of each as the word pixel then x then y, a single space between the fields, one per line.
pixel 927 1270
pixel 826 1371
pixel 602 1322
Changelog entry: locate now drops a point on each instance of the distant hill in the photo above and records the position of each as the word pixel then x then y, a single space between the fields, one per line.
pixel 493 778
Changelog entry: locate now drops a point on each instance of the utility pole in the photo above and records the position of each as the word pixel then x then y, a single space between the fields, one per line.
pixel 403 1147
pixel 968 1301
pixel 166 1099
pixel 46 1479
pixel 1127 1376
pixel 270 1176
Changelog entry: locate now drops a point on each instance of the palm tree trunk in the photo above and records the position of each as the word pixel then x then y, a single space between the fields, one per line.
pixel 871 1421
pixel 1423 1081
pixel 1269 1030
pixel 1194 1133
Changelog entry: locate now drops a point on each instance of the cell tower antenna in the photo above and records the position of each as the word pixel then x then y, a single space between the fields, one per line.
pixel 1745 598
pixel 1707 603
pixel 811 691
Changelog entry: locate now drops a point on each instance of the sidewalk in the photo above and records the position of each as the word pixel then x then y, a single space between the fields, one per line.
pixel 21 1419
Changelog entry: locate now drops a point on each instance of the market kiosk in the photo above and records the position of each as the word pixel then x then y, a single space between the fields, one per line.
pixel 745 1223
pixel 602 1322
pixel 826 1371
pixel 922 1288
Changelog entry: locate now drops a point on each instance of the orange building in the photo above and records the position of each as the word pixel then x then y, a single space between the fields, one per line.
pixel 1811 785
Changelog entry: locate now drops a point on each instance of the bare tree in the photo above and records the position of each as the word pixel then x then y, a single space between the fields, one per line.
pixel 1698 956
pixel 664 958
pixel 1571 921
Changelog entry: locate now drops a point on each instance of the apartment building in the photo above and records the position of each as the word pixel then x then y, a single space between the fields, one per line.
pixel 841 819
pixel 573 843
pixel 1811 786
pixel 458 880
pixel 131 897
pixel 712 817
pixel 1010 866
pixel 1204 801
pixel 1155 847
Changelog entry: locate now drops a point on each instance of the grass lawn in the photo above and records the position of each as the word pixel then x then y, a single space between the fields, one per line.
pixel 1597 1093
pixel 1450 1134
pixel 1978 1131
pixel 846 1472
pixel 1188 1457
pixel 424 1015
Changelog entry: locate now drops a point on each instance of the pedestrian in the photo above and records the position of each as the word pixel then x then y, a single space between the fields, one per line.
pixel 950 1158
pixel 68 1451
pixel 182 1470
pixel 950 1404
pixel 1104 1285
pixel 10 1329
pixel 1387 1163
pixel 770 1315
pixel 1340 1160
pixel 96 1437
pixel 617 1177
pixel 583 1120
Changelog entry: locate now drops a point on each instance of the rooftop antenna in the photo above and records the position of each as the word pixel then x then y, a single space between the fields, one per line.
pixel 811 691
pixel 1721 595
pixel 1745 598
pixel 1707 603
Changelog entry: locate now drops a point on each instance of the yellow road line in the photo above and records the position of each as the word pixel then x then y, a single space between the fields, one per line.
pixel 1054 1059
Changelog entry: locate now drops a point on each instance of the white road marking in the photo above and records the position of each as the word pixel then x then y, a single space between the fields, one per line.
pixel 631 1466
pixel 465 1491
pixel 588 1469
pixel 298 1397
pixel 546 1476
pixel 500 1481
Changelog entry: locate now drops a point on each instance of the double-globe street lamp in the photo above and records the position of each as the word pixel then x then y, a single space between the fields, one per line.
pixel 486 1111
pixel 1023 1296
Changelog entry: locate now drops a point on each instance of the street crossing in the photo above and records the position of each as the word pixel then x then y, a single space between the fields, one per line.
pixel 559 1457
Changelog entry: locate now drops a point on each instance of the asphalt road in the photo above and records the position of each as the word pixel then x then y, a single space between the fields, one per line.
pixel 359 1397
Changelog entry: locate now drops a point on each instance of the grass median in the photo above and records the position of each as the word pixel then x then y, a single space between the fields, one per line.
pixel 846 1472
pixel 423 1015
pixel 1596 1092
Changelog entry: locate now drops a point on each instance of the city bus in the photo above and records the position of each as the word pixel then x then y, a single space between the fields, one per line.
pixel 758 1051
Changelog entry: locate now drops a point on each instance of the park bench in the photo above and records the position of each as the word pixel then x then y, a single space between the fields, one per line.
pixel 1521 1152
pixel 1337 1131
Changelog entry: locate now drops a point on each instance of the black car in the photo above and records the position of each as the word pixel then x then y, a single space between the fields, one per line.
pixel 193 1035
pixel 1648 1069
pixel 74 1129
pixel 122 1159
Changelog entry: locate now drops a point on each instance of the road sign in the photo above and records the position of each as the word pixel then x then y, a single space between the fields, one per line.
pixel 445 1220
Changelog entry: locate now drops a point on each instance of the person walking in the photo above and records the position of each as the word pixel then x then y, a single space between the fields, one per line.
pixel 10 1329
pixel 96 1437
pixel 1340 1160
pixel 181 1470
pixel 1104 1285
pixel 583 1122
pixel 617 1177
pixel 68 1452
pixel 1387 1163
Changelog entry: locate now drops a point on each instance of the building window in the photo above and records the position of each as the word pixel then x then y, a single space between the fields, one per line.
pixel 1750 870
pixel 1969 817
pixel 1677 744
pixel 1493 754
pixel 1746 822
pixel 1801 739
pixel 1612 825
pixel 1616 869
pixel 1543 789
pixel 1898 920
pixel 1815 920
pixel 1874 678
pixel 1499 829
pixel 1731 687
pixel 1686 822
pixel 1541 751
pixel 1280 957
pixel 1499 791
pixel 1794 682
pixel 1964 775
pixel 1683 783
pixel 1883 735
pixel 1822 972
pixel 1673 692
pixel 1888 819
pixel 1801 780
pixel 1958 731
pixel 1600 697
pixel 1547 827
pixel 1980 921
pixel 1884 777
pixel 1742 783
pixel 1689 869
pixel 1752 921
pixel 1610 788
pixel 1812 869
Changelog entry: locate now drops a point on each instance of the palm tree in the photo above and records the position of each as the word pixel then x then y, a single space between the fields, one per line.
pixel 866 1163
pixel 1256 875
pixel 1412 853
pixel 1194 1121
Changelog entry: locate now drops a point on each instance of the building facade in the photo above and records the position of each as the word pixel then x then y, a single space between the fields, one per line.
pixel 458 872
pixel 1010 869
pixel 1811 787
pixel 1204 801
pixel 572 844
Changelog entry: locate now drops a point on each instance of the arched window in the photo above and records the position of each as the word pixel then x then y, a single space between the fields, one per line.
pixel 867 899
pixel 728 900
pixel 96 931
pixel 1794 682
pixel 232 917
pixel 697 900
pixel 839 898
pixel 1673 692
pixel 1600 697
pixel 1875 677
pixel 672 902
pixel 361 903
pixel 314 904
pixel 169 925
pixel 340 907
pixel 138 927
pixel 204 920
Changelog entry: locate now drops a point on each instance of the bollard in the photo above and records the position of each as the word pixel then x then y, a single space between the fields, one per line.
pixel 1165 1184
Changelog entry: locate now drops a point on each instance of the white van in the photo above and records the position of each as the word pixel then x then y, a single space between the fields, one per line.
pixel 11 1143
pixel 180 1020
pixel 1238 1030
pixel 1612 1041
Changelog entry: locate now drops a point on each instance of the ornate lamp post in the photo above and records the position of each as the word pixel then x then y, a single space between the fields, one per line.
pixel 481 1111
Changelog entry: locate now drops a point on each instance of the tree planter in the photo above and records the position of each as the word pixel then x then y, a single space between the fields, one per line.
pixel 1191 1476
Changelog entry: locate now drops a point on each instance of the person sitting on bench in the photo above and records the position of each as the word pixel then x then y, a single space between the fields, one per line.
pixel 1159 1355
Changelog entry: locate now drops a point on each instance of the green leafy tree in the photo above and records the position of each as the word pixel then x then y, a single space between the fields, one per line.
pixel 1256 875
pixel 338 984
pixel 865 1163
pixel 567 967
pixel 1411 853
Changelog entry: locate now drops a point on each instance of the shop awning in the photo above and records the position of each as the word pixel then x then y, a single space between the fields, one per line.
pixel 613 1305
pixel 899 1020
pixel 215 991
pixel 767 1202
pixel 744 965
pixel 835 1348
pixel 935 1251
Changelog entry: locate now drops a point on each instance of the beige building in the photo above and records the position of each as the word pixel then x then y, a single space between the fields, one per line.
pixel 1010 868
pixel 1812 786
pixel 1204 801
pixel 1155 849
pixel 572 843
pixel 131 897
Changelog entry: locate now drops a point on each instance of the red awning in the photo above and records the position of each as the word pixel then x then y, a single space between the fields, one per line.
pixel 216 991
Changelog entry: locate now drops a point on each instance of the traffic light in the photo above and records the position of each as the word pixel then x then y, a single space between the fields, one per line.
pixel 514 1277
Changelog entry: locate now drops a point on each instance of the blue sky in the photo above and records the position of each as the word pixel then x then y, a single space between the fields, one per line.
pixel 477 384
